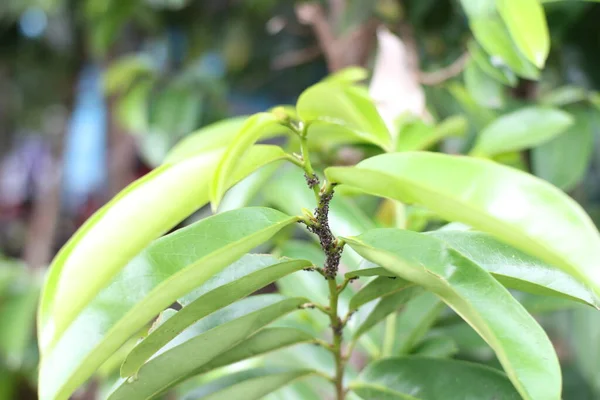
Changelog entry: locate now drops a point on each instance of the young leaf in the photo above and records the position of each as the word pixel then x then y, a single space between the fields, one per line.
pixel 255 127
pixel 240 279
pixel 514 206
pixel 527 25
pixel 527 127
pixel 411 378
pixel 166 270
pixel 493 36
pixel 210 137
pixel 251 384
pixel 98 245
pixel 348 75
pixel 203 342
pixel 344 107
pixel 521 345
pixel 515 269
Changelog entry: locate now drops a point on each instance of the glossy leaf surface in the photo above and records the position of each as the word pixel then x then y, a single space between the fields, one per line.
pixel 521 345
pixel 516 207
pixel 202 342
pixel 522 129
pixel 240 279
pixel 515 269
pixel 98 244
pixel 169 268
pixel 412 378
pixel 493 36
pixel 344 107
pixel 528 28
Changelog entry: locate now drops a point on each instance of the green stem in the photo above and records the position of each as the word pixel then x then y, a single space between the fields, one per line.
pixel 337 328
pixel 310 172
pixel 332 247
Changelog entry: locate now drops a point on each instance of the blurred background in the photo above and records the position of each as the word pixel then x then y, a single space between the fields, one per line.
pixel 93 93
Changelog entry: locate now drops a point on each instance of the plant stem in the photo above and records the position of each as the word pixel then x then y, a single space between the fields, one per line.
pixel 332 247
pixel 311 177
pixel 337 328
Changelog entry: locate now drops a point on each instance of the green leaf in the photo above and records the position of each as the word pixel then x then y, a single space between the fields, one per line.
pixel 240 279
pixel 411 378
pixel 308 283
pixel 537 304
pixel 526 22
pixel 166 270
pixel 564 160
pixel 493 36
pixel 417 135
pixel 379 287
pixel 255 127
pixel 210 137
pixel 521 129
pixel 417 317
pixel 264 341
pixel 348 75
pixel 248 191
pixel 248 385
pixel 385 307
pixel 514 206
pixel 344 107
pixel 515 269
pixel 501 73
pixel 98 245
pixel 203 342
pixel 520 344
pixel 486 91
